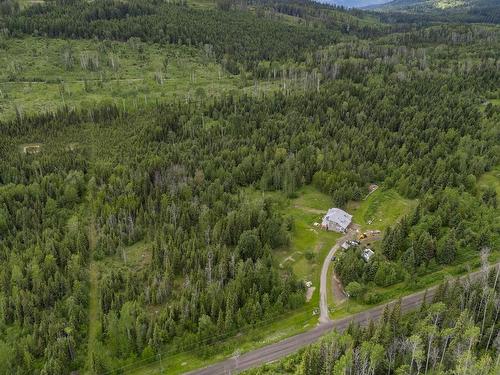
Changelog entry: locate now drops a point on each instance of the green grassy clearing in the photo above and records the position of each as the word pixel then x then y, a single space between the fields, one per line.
pixel 45 74
pixel 490 179
pixel 26 3
pixel 202 4
pixel 310 197
pixel 332 303
pixel 135 256
pixel 381 209
pixel 308 208
pixel 307 239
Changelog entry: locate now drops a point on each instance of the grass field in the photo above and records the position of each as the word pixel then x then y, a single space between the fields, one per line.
pixel 380 209
pixel 202 4
pixel 45 74
pixel 308 243
pixel 490 179
pixel 26 3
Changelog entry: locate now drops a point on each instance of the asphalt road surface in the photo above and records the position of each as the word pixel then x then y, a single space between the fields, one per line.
pixel 290 345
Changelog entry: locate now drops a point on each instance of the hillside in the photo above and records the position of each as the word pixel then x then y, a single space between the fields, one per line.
pixel 429 5
pixel 487 11
pixel 355 3
pixel 46 74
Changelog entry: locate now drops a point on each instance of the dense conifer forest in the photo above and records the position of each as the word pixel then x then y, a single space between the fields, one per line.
pixel 127 231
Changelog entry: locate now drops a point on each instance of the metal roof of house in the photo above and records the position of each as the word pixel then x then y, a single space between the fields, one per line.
pixel 338 216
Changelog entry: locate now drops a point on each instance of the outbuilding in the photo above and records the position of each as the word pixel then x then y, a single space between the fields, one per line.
pixel 367 254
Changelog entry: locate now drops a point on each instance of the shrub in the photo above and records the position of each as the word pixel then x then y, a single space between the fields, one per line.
pixel 386 275
pixel 355 289
pixel 372 298
pixel 309 255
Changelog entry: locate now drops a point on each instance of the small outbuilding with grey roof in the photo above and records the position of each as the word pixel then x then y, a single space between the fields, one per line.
pixel 367 254
pixel 336 220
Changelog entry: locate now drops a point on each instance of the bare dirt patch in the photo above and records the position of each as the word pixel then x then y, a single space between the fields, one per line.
pixel 72 146
pixel 291 258
pixel 309 293
pixel 371 189
pixel 338 292
pixel 31 148
pixel 309 209
pixel 318 246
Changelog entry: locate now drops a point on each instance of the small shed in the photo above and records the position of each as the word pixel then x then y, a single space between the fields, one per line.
pixel 367 254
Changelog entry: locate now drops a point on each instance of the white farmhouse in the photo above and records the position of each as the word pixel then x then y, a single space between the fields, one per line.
pixel 336 220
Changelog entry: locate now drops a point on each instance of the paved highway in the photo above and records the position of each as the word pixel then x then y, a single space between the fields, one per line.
pixel 290 345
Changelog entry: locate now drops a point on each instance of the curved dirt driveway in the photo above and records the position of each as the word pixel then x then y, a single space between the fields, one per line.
pixel 323 288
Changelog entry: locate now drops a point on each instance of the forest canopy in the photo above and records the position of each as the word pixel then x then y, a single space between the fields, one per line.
pixel 129 230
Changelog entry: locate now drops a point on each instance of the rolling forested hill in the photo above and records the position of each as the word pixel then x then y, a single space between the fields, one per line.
pixel 356 3
pixel 428 5
pixel 146 147
pixel 446 10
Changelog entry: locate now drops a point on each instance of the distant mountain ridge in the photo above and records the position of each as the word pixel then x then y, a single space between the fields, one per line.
pixel 355 3
pixel 429 5
pixel 487 11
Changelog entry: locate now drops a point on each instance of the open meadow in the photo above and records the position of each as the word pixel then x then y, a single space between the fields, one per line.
pixel 46 74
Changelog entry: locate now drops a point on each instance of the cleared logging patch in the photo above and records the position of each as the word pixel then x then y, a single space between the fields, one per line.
pixel 31 148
